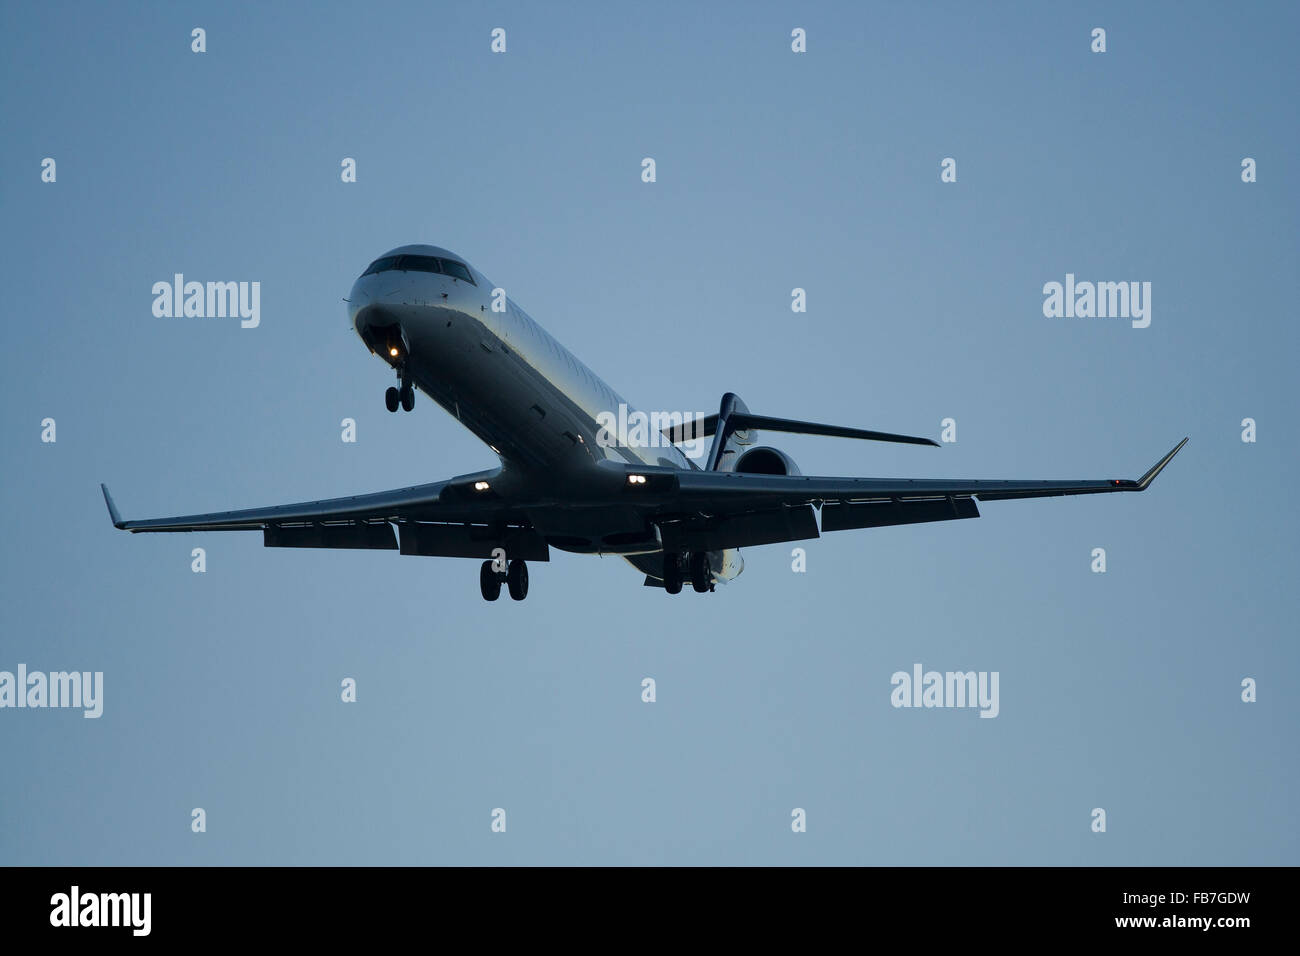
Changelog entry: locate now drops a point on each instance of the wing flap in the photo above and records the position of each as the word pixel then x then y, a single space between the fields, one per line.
pixel 743 530
pixel 880 514
pixel 374 536
pixel 471 541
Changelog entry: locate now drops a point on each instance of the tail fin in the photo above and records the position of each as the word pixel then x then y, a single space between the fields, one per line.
pixel 730 439
pixel 735 429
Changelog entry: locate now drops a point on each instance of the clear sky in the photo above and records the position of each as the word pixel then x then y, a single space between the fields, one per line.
pixel 775 170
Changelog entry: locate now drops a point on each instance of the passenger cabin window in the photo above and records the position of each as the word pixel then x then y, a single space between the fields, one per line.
pixel 448 267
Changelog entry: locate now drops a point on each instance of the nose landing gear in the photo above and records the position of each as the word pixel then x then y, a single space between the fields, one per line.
pixel 404 396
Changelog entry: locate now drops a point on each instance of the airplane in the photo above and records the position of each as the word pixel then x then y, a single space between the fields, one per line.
pixel 566 481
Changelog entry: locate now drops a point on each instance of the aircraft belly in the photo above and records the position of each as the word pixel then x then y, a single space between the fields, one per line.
pixel 500 377
pixel 461 362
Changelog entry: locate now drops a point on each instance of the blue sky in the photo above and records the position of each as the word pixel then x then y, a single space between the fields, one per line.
pixel 775 170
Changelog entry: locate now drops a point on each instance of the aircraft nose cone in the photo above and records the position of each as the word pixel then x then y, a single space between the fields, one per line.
pixel 361 293
pixel 361 302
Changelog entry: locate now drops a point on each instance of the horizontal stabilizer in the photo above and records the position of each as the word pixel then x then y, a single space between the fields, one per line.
pixel 695 428
pixel 742 421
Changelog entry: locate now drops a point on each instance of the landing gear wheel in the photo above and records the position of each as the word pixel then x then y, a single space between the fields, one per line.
pixel 408 398
pixel 391 398
pixel 489 582
pixel 672 574
pixel 701 579
pixel 517 580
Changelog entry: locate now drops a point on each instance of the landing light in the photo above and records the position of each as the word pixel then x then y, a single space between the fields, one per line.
pixel 393 352
pixel 481 486
pixel 636 479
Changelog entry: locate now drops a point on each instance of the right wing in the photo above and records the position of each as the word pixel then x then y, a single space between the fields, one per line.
pixel 454 518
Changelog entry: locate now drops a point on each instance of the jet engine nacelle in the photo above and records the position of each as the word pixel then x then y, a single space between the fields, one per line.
pixel 766 461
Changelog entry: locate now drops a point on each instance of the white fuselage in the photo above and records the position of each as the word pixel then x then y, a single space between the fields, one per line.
pixel 513 385
pixel 498 372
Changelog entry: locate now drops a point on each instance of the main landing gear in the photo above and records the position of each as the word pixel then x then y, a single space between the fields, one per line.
pixel 515 576
pixel 697 566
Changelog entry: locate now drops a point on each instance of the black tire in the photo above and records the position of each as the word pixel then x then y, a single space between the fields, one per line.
pixel 517 580
pixel 672 574
pixel 391 398
pixel 489 582
pixel 700 576
pixel 408 398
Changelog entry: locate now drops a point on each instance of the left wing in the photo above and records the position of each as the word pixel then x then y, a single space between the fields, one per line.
pixel 724 489
pixel 719 509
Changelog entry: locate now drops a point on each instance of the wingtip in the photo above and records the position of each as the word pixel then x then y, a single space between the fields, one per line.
pixel 116 518
pixel 1145 481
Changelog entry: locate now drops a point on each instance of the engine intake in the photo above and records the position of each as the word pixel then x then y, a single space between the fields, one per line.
pixel 766 461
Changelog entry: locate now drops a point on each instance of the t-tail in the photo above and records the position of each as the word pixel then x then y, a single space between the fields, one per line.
pixel 735 437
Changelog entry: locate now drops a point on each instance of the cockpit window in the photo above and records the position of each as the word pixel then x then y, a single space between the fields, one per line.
pixel 454 268
pixel 421 264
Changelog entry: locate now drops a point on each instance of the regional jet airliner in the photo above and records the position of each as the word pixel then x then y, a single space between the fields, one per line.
pixel 562 482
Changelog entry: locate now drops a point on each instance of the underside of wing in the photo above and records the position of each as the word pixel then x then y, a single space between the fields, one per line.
pixel 462 517
pixel 728 509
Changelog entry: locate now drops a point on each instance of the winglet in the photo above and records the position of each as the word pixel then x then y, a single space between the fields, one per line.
pixel 112 508
pixel 1150 476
